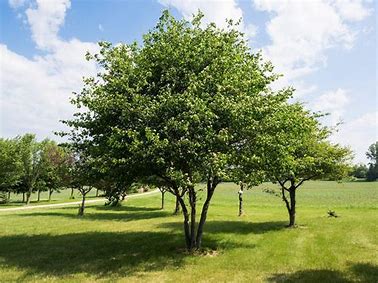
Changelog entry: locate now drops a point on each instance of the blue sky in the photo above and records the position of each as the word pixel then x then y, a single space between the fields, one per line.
pixel 326 49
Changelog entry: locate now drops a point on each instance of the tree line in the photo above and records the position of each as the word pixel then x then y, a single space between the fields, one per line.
pixel 370 172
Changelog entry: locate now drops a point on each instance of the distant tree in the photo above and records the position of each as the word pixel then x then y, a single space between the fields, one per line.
pixel 176 109
pixel 32 162
pixel 372 155
pixel 10 166
pixel 359 171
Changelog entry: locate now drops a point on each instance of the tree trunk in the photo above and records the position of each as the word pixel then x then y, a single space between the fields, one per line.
pixel 72 193
pixel 193 203
pixel 50 193
pixel 28 195
pixel 162 199
pixel 186 222
pixel 38 195
pixel 9 195
pixel 241 199
pixel 81 208
pixel 23 197
pixel 202 221
pixel 96 192
pixel 177 207
pixel 292 208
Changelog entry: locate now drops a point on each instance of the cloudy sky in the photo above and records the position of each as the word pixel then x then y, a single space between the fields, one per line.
pixel 326 49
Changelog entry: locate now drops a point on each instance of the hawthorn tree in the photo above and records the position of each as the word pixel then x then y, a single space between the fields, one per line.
pixel 178 109
pixel 300 151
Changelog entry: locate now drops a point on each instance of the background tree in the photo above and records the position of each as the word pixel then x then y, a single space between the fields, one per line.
pixel 31 157
pixel 359 171
pixel 175 109
pixel 372 155
pixel 10 166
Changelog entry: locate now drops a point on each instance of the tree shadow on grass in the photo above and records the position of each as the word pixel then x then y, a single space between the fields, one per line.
pixel 362 272
pixel 99 254
pixel 101 216
pixel 234 227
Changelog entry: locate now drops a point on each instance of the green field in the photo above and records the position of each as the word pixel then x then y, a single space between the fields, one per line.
pixel 138 242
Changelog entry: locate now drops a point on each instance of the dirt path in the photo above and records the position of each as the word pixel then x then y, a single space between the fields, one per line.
pixel 74 203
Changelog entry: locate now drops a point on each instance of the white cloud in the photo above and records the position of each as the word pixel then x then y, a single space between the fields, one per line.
pixel 17 3
pixel 302 31
pixel 359 134
pixel 332 102
pixel 100 27
pixel 215 11
pixel 45 20
pixel 35 92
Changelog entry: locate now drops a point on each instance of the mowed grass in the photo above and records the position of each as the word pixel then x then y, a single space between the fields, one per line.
pixel 138 242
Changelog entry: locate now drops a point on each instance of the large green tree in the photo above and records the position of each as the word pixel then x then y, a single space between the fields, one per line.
pixel 179 108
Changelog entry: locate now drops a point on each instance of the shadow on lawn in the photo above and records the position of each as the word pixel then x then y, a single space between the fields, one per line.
pixel 234 227
pixel 95 253
pixel 363 272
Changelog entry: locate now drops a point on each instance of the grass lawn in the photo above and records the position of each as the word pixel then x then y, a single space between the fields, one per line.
pixel 138 242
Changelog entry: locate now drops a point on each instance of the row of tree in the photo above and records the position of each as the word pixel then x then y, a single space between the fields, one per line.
pixel 28 166
pixel 191 105
pixel 370 172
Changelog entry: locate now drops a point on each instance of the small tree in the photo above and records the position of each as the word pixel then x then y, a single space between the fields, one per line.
pixel 303 153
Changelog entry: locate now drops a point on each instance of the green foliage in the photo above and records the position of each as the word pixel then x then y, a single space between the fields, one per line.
pixel 359 171
pixel 372 154
pixel 10 165
pixel 178 108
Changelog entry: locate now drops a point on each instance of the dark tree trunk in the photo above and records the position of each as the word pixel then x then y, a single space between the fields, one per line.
pixel 96 192
pixel 241 199
pixel 186 223
pixel 50 193
pixel 72 193
pixel 23 197
pixel 177 207
pixel 162 199
pixel 38 195
pixel 28 196
pixel 82 207
pixel 193 203
pixel 205 208
pixel 9 195
pixel 292 207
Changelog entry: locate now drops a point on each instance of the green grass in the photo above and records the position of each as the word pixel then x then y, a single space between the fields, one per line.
pixel 138 242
